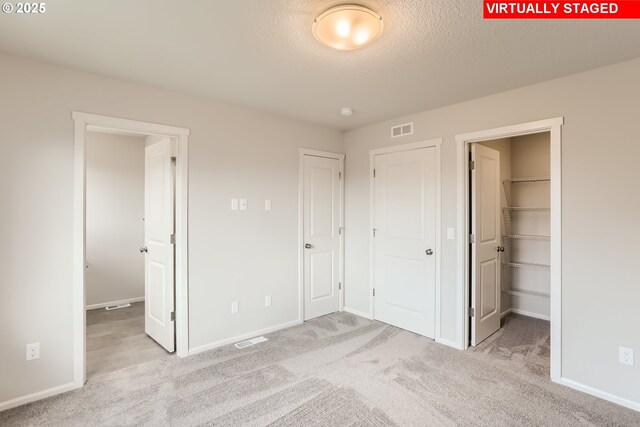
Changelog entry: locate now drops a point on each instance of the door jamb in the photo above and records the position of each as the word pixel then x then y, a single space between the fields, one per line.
pixel 554 127
pixel 309 152
pixel 435 143
pixel 81 121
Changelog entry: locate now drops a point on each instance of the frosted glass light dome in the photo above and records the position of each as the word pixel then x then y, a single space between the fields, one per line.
pixel 347 27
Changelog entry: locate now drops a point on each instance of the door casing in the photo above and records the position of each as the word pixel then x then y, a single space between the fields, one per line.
pixel 554 127
pixel 309 152
pixel 436 143
pixel 82 121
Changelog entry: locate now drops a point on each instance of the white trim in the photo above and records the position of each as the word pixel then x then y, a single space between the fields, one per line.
pixel 436 143
pixel 110 303
pixel 81 121
pixel 242 337
pixel 357 312
pixel 505 313
pixel 23 400
pixel 329 155
pixel 554 127
pixel 448 343
pixel 529 314
pixel 599 393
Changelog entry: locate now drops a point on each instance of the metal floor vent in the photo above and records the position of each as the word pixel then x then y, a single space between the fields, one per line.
pixel 252 341
pixel 115 307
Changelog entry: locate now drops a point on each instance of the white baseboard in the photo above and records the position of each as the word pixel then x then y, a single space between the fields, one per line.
pixel 357 312
pixel 23 400
pixel 242 337
pixel 110 303
pixel 601 394
pixel 505 313
pixel 529 314
pixel 449 343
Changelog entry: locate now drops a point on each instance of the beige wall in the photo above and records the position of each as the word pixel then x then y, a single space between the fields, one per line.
pixel 115 211
pixel 599 160
pixel 233 153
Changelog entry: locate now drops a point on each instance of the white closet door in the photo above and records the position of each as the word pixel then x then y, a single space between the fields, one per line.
pixel 159 258
pixel 485 227
pixel 321 191
pixel 405 238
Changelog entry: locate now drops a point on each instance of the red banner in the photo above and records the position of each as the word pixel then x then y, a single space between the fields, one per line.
pixel 623 9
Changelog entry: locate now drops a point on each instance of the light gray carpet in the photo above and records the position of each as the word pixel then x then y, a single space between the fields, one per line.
pixel 338 370
pixel 116 340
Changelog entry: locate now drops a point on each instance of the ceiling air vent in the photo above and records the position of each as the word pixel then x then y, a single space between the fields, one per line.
pixel 402 130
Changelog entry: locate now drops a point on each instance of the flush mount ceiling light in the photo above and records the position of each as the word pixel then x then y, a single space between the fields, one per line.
pixel 347 27
pixel 347 111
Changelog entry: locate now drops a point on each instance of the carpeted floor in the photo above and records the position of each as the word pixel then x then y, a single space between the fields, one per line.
pixel 338 370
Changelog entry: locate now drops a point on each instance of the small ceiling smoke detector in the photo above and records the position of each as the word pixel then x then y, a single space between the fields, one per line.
pixel 347 27
pixel 347 111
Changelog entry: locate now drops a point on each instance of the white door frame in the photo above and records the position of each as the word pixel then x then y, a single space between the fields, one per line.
pixel 308 152
pixel 554 127
pixel 435 143
pixel 81 121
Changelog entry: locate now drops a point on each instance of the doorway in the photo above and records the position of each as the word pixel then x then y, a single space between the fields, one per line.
pixel 510 217
pixel 162 227
pixel 405 236
pixel 322 237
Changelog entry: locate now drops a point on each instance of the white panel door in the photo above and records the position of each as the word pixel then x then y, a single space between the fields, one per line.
pixel 159 257
pixel 485 227
pixel 405 237
pixel 321 217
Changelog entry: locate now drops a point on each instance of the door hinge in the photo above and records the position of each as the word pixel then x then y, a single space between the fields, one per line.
pixel 374 173
pixel 374 292
pixel 472 165
pixel 339 286
pixel 174 160
pixel 472 238
pixel 173 316
pixel 472 312
pixel 339 175
pixel 374 232
pixel 173 239
pixel 340 230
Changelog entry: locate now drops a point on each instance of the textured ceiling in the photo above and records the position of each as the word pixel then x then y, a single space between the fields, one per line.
pixel 261 53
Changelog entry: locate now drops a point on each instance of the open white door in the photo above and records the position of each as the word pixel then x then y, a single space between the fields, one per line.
pixel 321 224
pixel 158 231
pixel 485 230
pixel 405 238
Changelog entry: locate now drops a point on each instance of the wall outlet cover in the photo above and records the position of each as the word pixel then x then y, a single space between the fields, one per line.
pixel 267 301
pixel 625 356
pixel 234 307
pixel 33 351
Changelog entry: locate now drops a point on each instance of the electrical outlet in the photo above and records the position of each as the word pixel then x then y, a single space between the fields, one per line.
pixel 451 233
pixel 234 307
pixel 625 355
pixel 33 351
pixel 243 204
pixel 267 205
pixel 234 204
pixel 267 301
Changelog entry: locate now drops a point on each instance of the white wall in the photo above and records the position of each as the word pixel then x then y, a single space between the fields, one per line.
pixel 233 152
pixel 114 224
pixel 600 209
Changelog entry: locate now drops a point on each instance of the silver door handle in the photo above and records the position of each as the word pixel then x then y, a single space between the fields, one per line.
pixel 307 246
pixel 143 249
pixel 429 252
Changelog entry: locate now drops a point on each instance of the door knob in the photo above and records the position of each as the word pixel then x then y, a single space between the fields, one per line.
pixel 500 248
pixel 143 249
pixel 307 246
pixel 429 252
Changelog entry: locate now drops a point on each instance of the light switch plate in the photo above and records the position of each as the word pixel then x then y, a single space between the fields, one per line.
pixel 234 307
pixel 267 301
pixel 243 204
pixel 234 204
pixel 267 205
pixel 451 233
